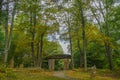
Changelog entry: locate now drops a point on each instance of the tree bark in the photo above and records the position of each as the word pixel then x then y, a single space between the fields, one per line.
pixel 83 34
pixel 108 48
pixel 80 51
pixel 6 34
pixel 72 55
pixel 109 56
pixel 12 24
pixel 32 49
pixel 70 41
pixel 32 25
pixel 41 48
pixel 37 56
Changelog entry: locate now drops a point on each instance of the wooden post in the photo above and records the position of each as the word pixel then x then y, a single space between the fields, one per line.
pixel 53 64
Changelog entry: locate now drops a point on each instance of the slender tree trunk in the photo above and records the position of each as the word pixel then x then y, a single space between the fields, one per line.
pixel 41 47
pixel 107 45
pixel 32 49
pixel 34 21
pixel 33 24
pixel 80 51
pixel 72 55
pixel 32 37
pixel 11 29
pixel 12 24
pixel 6 34
pixel 37 56
pixel 109 56
pixel 84 51
pixel 83 35
pixel 70 41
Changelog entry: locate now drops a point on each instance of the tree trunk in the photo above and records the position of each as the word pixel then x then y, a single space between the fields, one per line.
pixel 80 51
pixel 41 47
pixel 108 48
pixel 37 56
pixel 12 24
pixel 72 55
pixel 32 25
pixel 84 51
pixel 70 40
pixel 109 56
pixel 6 34
pixel 83 35
pixel 32 49
pixel 107 44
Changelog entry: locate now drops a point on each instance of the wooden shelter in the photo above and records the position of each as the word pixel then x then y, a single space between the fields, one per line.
pixel 52 58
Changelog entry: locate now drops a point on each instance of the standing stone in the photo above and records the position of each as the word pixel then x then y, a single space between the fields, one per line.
pixel 66 64
pixel 51 63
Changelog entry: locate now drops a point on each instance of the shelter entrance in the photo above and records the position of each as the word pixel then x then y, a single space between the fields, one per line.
pixel 65 57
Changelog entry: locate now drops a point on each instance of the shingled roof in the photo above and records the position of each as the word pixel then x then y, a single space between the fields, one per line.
pixel 59 56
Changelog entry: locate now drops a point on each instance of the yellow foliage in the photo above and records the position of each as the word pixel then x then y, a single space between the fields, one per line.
pixel 93 34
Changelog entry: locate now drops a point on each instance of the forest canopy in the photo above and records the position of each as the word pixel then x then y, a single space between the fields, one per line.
pixel 31 30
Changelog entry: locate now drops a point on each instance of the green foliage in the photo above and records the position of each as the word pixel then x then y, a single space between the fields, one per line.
pixel 36 19
pixel 6 73
pixel 59 65
pixel 2 68
pixel 77 59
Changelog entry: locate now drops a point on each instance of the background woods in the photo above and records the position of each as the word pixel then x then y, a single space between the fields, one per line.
pixel 32 30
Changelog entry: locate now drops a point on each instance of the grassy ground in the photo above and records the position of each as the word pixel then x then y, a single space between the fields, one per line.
pixel 80 74
pixel 37 74
pixel 28 74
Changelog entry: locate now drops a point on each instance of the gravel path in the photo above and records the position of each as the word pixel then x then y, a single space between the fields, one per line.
pixel 61 74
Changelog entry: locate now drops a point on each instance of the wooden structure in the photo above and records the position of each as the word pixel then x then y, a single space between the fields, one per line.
pixel 52 58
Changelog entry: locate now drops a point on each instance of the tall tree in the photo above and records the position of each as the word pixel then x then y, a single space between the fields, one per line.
pixel 83 35
pixel 104 7
pixel 82 21
pixel 8 34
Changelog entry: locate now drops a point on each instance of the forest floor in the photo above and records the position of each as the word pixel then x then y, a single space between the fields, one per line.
pixel 76 74
pixel 80 74
pixel 62 74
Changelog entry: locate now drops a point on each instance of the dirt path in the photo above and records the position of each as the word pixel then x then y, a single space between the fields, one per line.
pixel 61 74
